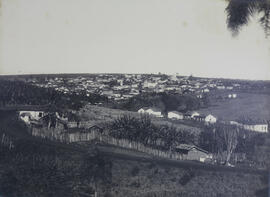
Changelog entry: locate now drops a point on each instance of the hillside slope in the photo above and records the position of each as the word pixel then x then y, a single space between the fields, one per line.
pixel 41 168
pixel 96 114
pixel 133 178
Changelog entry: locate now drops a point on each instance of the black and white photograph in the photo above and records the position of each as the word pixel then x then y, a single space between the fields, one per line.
pixel 134 98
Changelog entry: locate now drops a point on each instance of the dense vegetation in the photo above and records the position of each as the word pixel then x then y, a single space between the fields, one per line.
pixel 165 102
pixel 231 140
pixel 228 143
pixel 144 131
pixel 14 93
pixel 36 167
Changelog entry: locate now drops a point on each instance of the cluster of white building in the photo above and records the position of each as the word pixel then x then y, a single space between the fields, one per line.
pixel 232 95
pixel 175 115
pixel 252 126
pixel 207 119
pixel 121 87
pixel 29 116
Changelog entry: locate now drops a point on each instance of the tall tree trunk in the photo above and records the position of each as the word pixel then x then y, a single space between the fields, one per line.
pixel 228 157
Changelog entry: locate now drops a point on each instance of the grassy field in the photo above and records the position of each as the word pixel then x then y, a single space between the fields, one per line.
pixel 99 115
pixel 137 174
pixel 132 178
pixel 255 106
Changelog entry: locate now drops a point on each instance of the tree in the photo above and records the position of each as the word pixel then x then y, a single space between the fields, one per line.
pixel 229 135
pixel 239 12
pixel 207 140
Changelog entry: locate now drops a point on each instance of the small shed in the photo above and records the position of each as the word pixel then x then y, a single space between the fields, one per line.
pixel 192 152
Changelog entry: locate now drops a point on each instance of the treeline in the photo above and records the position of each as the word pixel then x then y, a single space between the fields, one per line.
pixel 165 102
pixel 21 93
pixel 144 131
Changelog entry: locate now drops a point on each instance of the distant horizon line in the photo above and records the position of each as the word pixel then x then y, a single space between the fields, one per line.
pixel 115 73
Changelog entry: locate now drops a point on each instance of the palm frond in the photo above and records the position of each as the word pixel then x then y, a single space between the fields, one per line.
pixel 239 12
pixel 264 8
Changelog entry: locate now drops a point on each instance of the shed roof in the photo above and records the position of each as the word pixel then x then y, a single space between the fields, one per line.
pixel 176 112
pixel 189 147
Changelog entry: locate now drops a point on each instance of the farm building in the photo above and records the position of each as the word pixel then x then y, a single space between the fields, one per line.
pixel 187 116
pixel 190 115
pixel 220 87
pixel 206 90
pixel 192 152
pixel 175 115
pixel 142 110
pixel 229 87
pixel 194 113
pixel 28 116
pixel 258 126
pixel 151 111
pixel 210 119
pixel 232 95
pixel 200 118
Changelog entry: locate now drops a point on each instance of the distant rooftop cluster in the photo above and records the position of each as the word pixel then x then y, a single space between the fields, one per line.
pixel 124 86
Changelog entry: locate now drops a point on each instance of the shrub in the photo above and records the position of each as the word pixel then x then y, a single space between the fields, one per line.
pixel 189 174
pixel 135 171
pixel 151 165
pixel 135 184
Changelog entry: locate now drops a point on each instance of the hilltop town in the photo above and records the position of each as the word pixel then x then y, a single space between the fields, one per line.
pixel 124 86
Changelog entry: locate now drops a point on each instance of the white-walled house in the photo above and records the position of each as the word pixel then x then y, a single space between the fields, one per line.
pixel 191 115
pixel 175 115
pixel 206 90
pixel 229 87
pixel 27 116
pixel 210 119
pixel 234 95
pixel 252 126
pixel 148 84
pixel 220 87
pixel 154 112
pixel 142 110
pixel 234 123
pixel 151 111
pixel 259 127
pixel 194 113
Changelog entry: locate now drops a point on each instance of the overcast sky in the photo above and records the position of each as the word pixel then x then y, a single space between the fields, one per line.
pixel 128 36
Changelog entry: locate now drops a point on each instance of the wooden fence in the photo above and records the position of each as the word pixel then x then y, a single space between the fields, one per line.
pixel 66 137
pixel 6 141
